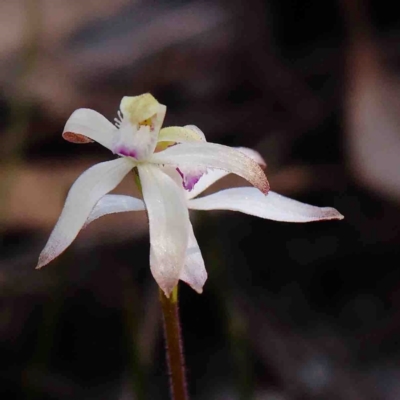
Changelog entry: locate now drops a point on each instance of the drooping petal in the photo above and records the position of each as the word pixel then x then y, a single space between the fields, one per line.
pixel 92 185
pixel 194 272
pixel 85 125
pixel 114 203
pixel 169 225
pixel 212 155
pixel 254 155
pixel 274 206
pixel 191 133
pixel 180 134
pixel 139 127
pixel 214 175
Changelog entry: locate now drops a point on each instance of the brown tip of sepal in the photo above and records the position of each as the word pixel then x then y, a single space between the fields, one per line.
pixel 76 138
pixel 266 190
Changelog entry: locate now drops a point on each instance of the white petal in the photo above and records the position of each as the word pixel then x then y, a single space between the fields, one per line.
pixel 169 225
pixel 194 272
pixel 274 206
pixel 214 175
pixel 82 197
pixel 179 134
pixel 114 203
pixel 85 125
pixel 200 154
pixel 254 155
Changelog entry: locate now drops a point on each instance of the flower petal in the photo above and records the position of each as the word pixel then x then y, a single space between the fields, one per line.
pixel 198 131
pixel 169 225
pixel 254 155
pixel 82 197
pixel 213 155
pixel 85 125
pixel 179 134
pixel 194 272
pixel 274 206
pixel 214 175
pixel 114 203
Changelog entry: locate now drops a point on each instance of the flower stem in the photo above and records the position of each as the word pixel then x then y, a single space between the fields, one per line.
pixel 173 342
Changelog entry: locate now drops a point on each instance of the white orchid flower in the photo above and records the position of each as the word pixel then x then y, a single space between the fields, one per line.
pixel 171 178
pixel 140 142
pixel 248 200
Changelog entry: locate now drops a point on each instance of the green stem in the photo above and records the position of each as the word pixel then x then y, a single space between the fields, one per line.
pixel 174 348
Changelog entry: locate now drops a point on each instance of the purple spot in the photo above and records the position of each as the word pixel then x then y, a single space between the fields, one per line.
pixel 189 180
pixel 124 151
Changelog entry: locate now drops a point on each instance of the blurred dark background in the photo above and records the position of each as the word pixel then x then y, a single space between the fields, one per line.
pixel 290 311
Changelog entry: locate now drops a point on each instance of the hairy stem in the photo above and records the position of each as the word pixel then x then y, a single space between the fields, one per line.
pixel 173 341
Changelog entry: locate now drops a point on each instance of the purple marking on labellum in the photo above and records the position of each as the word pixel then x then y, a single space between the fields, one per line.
pixel 189 180
pixel 124 151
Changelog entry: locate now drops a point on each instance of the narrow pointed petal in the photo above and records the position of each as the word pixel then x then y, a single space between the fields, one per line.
pixel 169 225
pixel 194 272
pixel 274 206
pixel 179 134
pixel 254 155
pixel 92 185
pixel 114 203
pixel 85 125
pixel 212 155
pixel 214 175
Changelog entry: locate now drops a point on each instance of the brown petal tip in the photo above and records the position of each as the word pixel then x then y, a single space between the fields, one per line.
pixel 76 138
